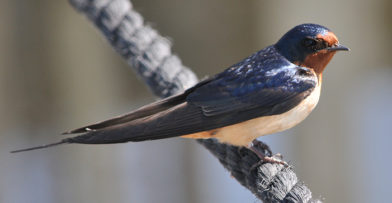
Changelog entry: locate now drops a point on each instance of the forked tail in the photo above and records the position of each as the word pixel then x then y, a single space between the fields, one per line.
pixel 41 147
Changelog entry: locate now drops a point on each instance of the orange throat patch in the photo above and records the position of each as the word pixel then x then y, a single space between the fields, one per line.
pixel 318 61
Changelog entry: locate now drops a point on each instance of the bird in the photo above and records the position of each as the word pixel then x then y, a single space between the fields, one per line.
pixel 270 91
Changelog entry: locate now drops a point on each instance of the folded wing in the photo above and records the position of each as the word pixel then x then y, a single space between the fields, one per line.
pixel 214 104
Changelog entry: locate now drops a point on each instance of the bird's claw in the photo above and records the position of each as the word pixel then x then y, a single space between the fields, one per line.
pixel 274 160
pixel 260 149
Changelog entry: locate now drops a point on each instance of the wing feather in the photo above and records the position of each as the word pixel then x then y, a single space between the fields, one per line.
pixel 262 85
pixel 142 112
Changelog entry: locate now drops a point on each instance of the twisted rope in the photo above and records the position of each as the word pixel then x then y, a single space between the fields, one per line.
pixel 149 54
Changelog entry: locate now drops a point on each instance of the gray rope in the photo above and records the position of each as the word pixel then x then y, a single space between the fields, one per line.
pixel 149 54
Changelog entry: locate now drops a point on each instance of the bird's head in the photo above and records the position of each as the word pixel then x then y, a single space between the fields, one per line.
pixel 309 45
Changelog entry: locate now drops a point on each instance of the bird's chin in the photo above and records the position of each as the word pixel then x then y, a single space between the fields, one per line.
pixel 318 60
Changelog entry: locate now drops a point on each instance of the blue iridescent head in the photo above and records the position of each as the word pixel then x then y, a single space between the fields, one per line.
pixel 309 45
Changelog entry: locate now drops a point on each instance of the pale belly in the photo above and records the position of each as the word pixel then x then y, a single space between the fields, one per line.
pixel 242 134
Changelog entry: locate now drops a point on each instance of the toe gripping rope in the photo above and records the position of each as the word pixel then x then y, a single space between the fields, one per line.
pixel 149 54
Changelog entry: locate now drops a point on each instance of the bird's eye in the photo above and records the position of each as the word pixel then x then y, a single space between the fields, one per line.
pixel 314 44
pixel 309 42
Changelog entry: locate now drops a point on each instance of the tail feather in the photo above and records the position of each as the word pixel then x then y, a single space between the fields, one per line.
pixel 64 141
pixel 143 112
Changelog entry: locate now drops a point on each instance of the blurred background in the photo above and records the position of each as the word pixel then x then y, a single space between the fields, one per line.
pixel 57 72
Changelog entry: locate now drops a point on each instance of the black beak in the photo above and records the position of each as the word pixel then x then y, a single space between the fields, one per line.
pixel 338 47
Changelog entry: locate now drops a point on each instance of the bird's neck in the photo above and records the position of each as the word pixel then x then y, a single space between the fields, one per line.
pixel 317 61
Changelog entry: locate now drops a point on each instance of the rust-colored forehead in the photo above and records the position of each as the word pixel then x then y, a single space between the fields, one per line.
pixel 329 37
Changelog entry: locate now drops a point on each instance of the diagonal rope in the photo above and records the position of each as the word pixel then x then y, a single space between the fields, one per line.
pixel 149 54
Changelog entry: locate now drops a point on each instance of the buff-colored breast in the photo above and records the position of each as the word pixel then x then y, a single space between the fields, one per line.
pixel 242 134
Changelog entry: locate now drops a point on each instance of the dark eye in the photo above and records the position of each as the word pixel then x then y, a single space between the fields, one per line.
pixel 309 42
pixel 314 44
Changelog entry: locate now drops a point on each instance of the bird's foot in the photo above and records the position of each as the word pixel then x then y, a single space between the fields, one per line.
pixel 274 160
pixel 264 153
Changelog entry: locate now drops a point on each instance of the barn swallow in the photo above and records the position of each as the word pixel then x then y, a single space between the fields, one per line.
pixel 270 91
